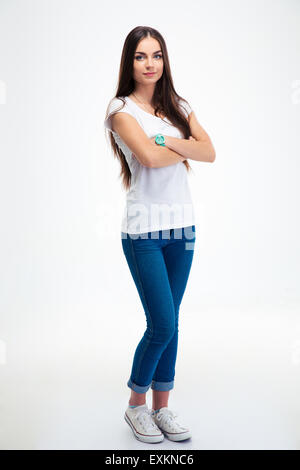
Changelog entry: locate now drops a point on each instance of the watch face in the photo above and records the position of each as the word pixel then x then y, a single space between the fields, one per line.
pixel 160 139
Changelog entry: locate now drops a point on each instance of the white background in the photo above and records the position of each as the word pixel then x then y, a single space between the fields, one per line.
pixel 70 315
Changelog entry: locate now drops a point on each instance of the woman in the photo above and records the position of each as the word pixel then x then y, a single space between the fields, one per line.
pixel 153 133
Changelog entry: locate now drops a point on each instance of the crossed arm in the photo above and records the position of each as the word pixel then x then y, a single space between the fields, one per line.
pixel 199 150
pixel 198 147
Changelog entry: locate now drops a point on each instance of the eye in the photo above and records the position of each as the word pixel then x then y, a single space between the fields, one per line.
pixel 141 57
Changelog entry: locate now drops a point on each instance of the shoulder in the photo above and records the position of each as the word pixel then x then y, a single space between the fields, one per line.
pixel 116 105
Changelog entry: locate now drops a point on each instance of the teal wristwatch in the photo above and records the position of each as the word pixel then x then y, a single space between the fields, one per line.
pixel 160 140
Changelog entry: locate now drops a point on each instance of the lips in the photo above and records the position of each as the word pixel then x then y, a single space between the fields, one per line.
pixel 150 73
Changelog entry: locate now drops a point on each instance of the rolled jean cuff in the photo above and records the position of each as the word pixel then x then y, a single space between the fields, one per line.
pixel 138 388
pixel 162 386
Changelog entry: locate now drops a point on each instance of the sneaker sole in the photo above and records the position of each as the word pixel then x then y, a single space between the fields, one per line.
pixel 178 437
pixel 143 437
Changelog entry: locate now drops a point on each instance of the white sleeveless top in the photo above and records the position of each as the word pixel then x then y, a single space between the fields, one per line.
pixel 158 198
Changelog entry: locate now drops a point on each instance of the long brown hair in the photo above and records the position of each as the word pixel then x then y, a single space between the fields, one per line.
pixel 165 98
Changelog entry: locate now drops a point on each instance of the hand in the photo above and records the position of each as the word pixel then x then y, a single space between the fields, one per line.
pixel 191 137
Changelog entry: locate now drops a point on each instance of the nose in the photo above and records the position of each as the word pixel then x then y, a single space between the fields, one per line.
pixel 149 63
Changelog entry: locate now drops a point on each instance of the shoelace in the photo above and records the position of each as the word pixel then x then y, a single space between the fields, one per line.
pixel 144 417
pixel 166 417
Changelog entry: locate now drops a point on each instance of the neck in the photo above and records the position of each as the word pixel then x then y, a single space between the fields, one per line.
pixel 144 93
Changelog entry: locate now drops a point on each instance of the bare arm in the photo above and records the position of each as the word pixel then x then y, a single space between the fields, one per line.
pixel 144 149
pixel 163 156
pixel 200 148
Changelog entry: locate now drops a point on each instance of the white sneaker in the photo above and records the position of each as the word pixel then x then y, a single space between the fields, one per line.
pixel 174 431
pixel 142 424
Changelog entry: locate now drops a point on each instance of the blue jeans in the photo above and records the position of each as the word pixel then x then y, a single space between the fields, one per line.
pixel 160 264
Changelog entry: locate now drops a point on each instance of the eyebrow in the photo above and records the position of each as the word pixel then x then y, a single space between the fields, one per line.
pixel 143 53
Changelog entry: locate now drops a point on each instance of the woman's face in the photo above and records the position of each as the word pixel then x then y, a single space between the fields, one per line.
pixel 148 58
